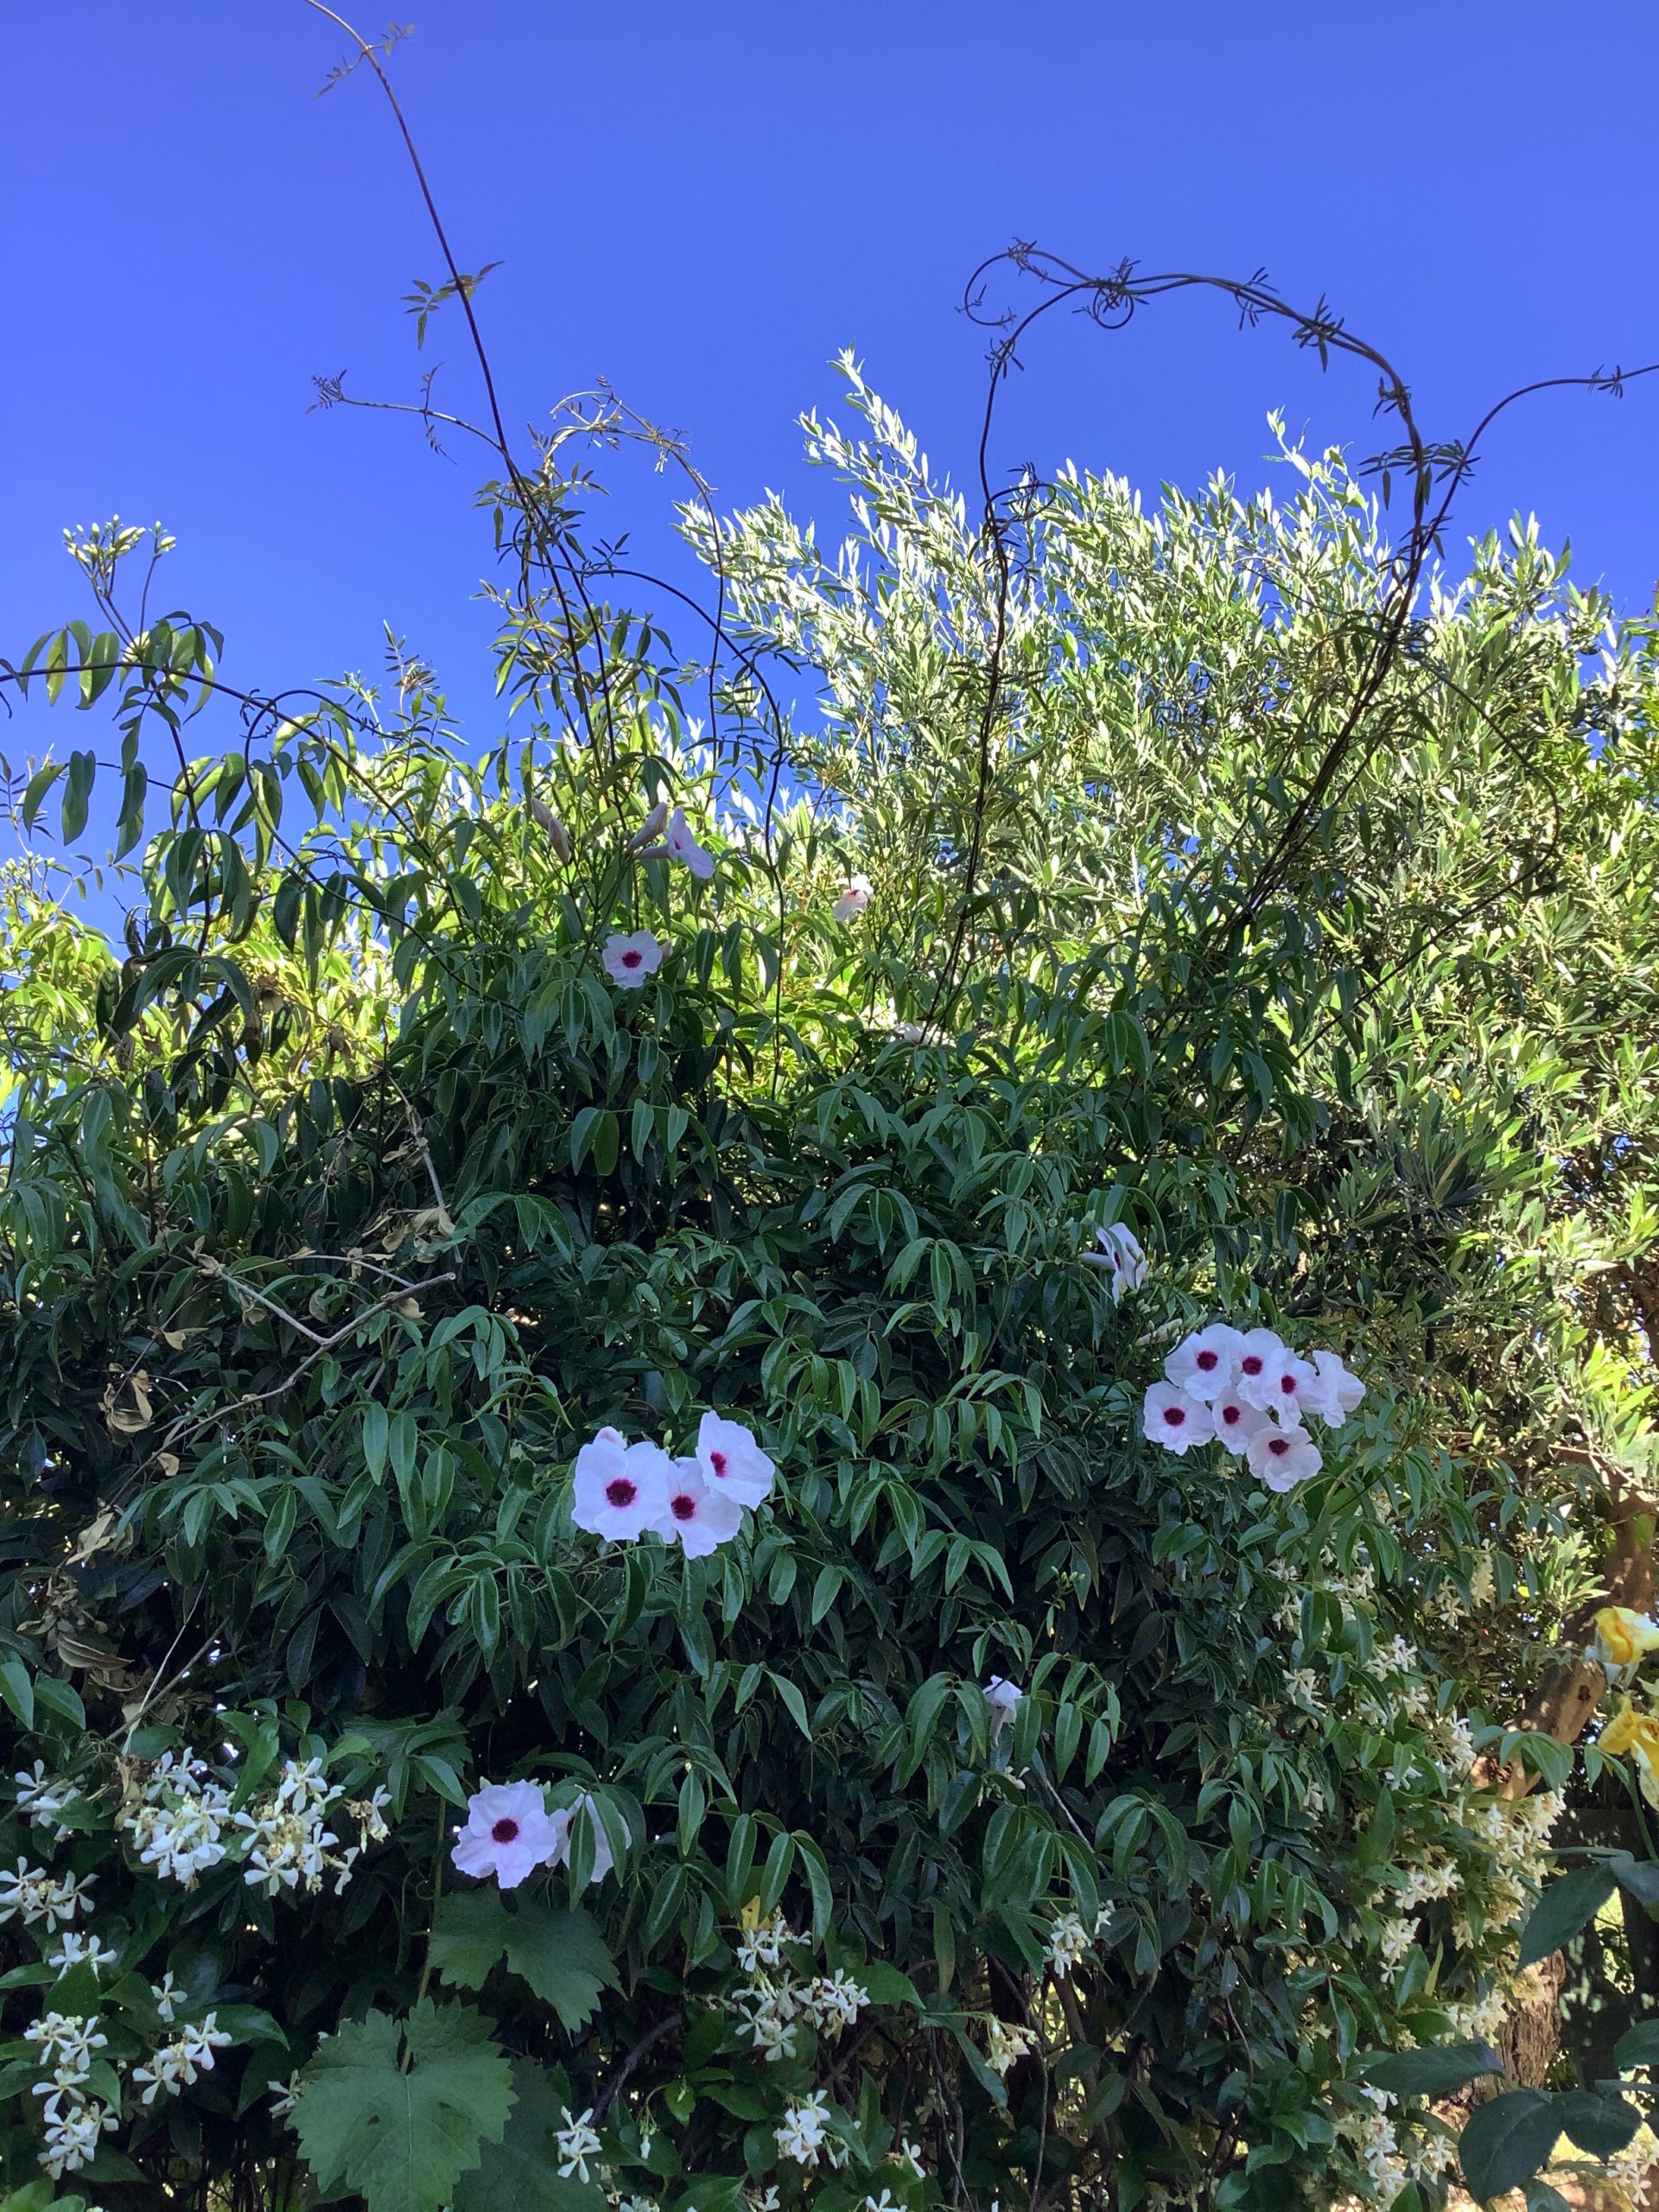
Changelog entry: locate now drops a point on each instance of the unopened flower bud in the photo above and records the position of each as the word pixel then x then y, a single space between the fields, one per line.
pixel 557 835
pixel 652 827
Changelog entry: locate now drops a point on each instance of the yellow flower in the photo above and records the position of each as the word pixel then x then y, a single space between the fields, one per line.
pixel 1637 1733
pixel 1620 1732
pixel 1623 1636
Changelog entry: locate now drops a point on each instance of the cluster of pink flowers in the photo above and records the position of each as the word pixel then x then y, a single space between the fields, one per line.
pixel 1251 1393
pixel 623 1490
pixel 509 1832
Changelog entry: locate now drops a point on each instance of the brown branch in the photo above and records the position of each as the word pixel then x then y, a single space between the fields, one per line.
pixel 186 1425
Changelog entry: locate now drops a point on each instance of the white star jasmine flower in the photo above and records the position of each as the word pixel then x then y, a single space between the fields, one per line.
pixel 508 1833
pixel 1204 1364
pixel 1169 1417
pixel 1005 2041
pixel 1339 1391
pixel 1120 1251
pixel 1236 1421
pixel 853 900
pixel 628 960
pixel 695 1516
pixel 683 847
pixel 732 1462
pixel 1283 1457
pixel 71 2138
pixel 801 2134
pixel 1067 1944
pixel 621 1488
pixel 1257 1354
pixel 578 2141
pixel 1003 1697
pixel 76 1950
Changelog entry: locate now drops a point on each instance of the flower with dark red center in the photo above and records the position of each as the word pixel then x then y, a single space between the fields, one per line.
pixel 508 1833
pixel 1169 1417
pixel 731 1460
pixel 629 960
pixel 694 1515
pixel 1283 1457
pixel 1236 1422
pixel 1204 1364
pixel 620 1488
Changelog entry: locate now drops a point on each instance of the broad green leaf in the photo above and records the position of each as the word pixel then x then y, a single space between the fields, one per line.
pixel 1433 2070
pixel 1506 2141
pixel 558 1953
pixel 1601 2125
pixel 520 2173
pixel 398 2110
pixel 1569 1903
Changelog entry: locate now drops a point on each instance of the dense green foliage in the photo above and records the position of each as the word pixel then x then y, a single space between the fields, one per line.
pixel 349 1202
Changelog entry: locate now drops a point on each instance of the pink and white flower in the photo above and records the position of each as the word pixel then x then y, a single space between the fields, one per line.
pixel 564 1821
pixel 1259 1353
pixel 1203 1364
pixel 1339 1391
pixel 683 846
pixel 1120 1251
pixel 630 959
pixel 508 1833
pixel 733 1464
pixel 853 900
pixel 1003 1697
pixel 1287 1388
pixel 1236 1421
pixel 1283 1457
pixel 1171 1419
pixel 620 1487
pixel 652 828
pixel 694 1515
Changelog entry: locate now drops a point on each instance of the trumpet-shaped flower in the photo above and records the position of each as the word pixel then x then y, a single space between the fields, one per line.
pixel 1002 1699
pixel 1236 1421
pixel 1204 1364
pixel 694 1515
pixel 564 1822
pixel 621 1488
pixel 1121 1252
pixel 1623 1637
pixel 508 1833
pixel 853 900
pixel 1339 1391
pixel 1283 1457
pixel 1638 1734
pixel 683 846
pixel 629 960
pixel 733 1464
pixel 1171 1419
pixel 652 828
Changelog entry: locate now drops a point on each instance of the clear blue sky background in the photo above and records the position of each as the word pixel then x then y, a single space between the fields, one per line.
pixel 705 202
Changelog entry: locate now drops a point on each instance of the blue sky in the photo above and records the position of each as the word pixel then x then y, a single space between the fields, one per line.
pixel 705 203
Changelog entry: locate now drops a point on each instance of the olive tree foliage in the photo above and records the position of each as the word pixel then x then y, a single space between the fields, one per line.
pixel 1229 883
pixel 1446 986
